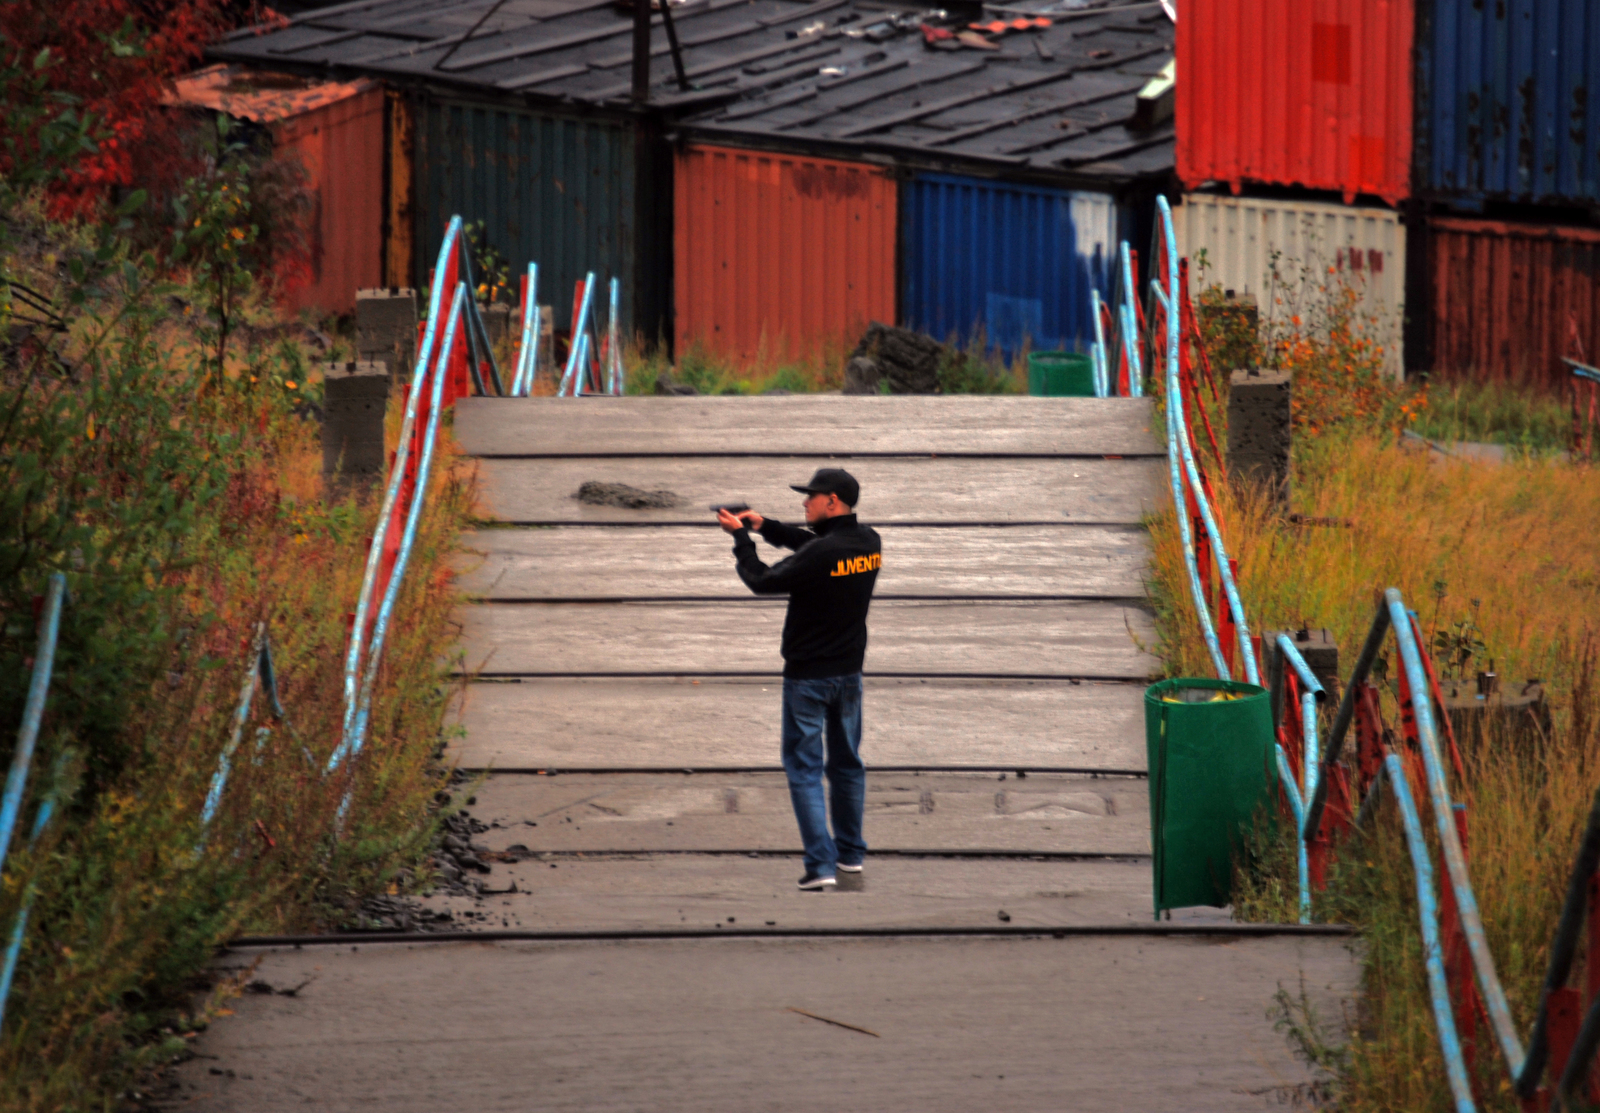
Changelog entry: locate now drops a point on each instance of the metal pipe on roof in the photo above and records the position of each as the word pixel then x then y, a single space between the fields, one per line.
pixel 672 45
pixel 641 51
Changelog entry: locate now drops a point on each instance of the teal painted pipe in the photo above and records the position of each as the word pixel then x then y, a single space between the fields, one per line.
pixel 413 517
pixel 1428 912
pixel 572 377
pixel 1297 805
pixel 1455 860
pixel 20 928
pixel 1176 414
pixel 1130 325
pixel 391 495
pixel 44 660
pixel 528 353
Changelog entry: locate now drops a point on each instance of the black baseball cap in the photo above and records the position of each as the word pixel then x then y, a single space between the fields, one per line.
pixel 832 481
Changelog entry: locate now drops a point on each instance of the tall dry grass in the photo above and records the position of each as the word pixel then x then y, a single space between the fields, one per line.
pixel 1510 546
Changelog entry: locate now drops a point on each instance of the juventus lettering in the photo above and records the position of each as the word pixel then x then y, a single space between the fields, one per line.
pixel 869 563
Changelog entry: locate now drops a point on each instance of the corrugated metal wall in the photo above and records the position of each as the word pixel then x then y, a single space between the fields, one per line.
pixel 1239 237
pixel 1015 261
pixel 556 191
pixel 1503 99
pixel 779 255
pixel 341 147
pixel 1314 94
pixel 1508 298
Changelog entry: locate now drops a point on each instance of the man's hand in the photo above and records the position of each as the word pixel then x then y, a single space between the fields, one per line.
pixel 745 519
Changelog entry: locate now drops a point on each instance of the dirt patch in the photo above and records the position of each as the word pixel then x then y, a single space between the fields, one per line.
pixel 596 493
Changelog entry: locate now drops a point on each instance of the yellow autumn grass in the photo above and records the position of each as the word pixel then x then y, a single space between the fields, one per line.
pixel 1515 546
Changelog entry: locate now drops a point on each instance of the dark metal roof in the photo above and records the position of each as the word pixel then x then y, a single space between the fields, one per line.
pixel 1055 99
pixel 841 75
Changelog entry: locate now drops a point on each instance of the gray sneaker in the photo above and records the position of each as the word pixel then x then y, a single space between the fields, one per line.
pixel 856 868
pixel 815 882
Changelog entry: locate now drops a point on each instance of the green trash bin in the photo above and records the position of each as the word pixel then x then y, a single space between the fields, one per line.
pixel 1060 373
pixel 1211 767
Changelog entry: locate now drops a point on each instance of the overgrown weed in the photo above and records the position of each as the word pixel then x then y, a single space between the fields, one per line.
pixel 185 507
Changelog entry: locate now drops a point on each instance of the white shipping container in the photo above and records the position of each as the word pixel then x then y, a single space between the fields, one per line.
pixel 1242 237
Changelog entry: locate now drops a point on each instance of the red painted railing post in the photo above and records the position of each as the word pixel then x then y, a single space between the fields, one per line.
pixel 1591 977
pixel 1565 1007
pixel 1458 960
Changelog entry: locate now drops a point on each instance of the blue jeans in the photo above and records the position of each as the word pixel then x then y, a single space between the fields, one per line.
pixel 822 734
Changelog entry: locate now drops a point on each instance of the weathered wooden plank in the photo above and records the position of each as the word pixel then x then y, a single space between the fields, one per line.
pixel 1092 1025
pixel 679 562
pixel 808 424
pixel 665 892
pixel 1084 640
pixel 684 724
pixel 907 491
pixel 629 812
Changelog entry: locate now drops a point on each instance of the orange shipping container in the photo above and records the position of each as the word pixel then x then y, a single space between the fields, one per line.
pixel 1315 94
pixel 780 256
pixel 335 129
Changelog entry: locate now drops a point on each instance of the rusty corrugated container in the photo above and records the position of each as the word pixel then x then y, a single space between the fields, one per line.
pixel 780 255
pixel 1314 94
pixel 341 145
pixel 1509 300
pixel 1503 107
pixel 336 130
pixel 399 214
pixel 1242 239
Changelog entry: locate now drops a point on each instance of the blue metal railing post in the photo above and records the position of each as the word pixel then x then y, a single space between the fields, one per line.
pixel 20 928
pixel 1098 352
pixel 413 517
pixel 391 495
pixel 1175 407
pixel 614 371
pixel 1130 325
pixel 1432 954
pixel 528 354
pixel 572 375
pixel 247 691
pixel 44 659
pixel 1455 860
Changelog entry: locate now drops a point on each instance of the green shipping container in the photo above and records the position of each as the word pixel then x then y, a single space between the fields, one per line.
pixel 1211 769
pixel 573 194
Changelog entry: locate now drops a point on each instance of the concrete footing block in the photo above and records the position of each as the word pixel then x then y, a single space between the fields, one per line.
pixel 1259 431
pixel 355 397
pixel 386 328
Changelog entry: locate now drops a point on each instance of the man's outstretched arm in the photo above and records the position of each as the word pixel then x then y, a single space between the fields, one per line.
pixel 785 537
pixel 779 579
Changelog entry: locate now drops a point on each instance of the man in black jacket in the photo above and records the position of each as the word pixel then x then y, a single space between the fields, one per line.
pixel 829 582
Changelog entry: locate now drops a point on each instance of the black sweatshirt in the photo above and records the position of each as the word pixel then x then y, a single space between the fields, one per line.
pixel 829 583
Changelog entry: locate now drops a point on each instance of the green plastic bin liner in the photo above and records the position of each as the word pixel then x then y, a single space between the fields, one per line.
pixel 1211 768
pixel 1060 373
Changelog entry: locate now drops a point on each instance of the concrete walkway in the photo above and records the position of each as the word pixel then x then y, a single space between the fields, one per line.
pixel 625 718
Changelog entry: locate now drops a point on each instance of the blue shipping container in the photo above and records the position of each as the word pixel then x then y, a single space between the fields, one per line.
pixel 549 190
pixel 1015 261
pixel 1503 100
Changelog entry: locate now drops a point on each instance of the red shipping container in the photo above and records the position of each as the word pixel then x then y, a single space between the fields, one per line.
pixel 1509 300
pixel 780 256
pixel 1314 94
pixel 335 130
